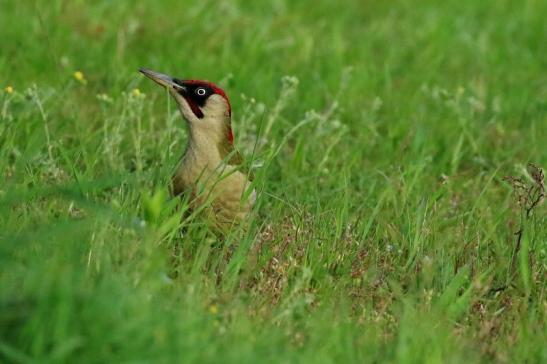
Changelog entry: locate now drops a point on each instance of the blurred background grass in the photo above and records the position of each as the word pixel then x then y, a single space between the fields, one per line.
pixel 383 232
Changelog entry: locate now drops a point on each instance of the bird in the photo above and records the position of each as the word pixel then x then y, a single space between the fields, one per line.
pixel 210 170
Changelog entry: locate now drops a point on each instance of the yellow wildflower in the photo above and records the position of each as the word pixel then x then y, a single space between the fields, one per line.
pixel 79 76
pixel 9 89
pixel 213 309
pixel 137 93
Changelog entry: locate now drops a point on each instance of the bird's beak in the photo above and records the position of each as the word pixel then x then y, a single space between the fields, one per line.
pixel 160 78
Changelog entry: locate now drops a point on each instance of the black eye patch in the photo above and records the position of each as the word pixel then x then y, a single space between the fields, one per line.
pixel 197 93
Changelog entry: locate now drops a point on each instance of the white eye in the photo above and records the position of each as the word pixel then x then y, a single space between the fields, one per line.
pixel 201 91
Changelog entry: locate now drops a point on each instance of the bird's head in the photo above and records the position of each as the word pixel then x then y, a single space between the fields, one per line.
pixel 205 106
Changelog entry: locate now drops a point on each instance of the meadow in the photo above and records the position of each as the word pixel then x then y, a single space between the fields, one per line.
pixel 398 219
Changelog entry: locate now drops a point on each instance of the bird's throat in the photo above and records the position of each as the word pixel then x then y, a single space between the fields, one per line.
pixel 207 147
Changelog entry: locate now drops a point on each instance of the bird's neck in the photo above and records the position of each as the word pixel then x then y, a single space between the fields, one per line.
pixel 208 146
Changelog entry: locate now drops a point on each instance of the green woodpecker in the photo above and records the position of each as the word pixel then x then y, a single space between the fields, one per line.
pixel 210 167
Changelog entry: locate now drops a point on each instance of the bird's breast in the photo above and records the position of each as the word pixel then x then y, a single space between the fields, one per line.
pixel 223 190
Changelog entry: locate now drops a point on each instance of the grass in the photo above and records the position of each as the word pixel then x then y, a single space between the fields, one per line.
pixel 384 229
